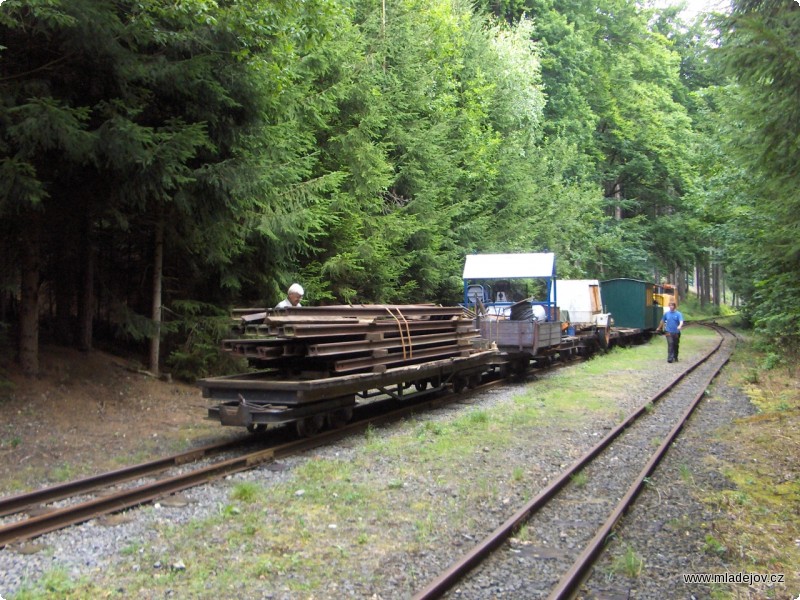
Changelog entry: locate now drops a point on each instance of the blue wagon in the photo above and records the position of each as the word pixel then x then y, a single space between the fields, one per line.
pixel 514 296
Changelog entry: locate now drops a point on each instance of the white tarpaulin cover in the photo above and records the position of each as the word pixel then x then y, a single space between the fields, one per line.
pixel 578 297
pixel 510 266
pixel 576 294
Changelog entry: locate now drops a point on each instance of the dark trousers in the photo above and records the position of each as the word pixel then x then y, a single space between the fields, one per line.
pixel 673 342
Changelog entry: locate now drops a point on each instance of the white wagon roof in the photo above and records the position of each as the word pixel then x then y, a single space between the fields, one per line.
pixel 510 266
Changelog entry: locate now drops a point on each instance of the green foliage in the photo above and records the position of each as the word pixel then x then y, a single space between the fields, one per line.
pixel 437 135
pixel 363 149
pixel 198 330
pixel 579 479
pixel 613 81
pixel 246 491
pixel 629 563
pixel 229 510
pixel 53 584
pixel 714 546
pixel 760 51
pixel 760 128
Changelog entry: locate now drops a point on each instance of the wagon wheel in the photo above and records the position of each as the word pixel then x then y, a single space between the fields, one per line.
pixel 257 427
pixel 421 384
pixel 340 417
pixel 458 384
pixel 520 367
pixel 604 337
pixel 310 425
pixel 474 380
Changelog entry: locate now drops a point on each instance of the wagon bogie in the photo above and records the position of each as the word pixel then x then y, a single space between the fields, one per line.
pixel 311 425
pixel 338 418
pixel 264 398
pixel 252 415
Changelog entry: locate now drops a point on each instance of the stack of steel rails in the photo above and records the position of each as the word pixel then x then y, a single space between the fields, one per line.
pixel 333 340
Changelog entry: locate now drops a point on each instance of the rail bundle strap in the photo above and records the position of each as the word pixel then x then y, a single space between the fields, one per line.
pixel 404 341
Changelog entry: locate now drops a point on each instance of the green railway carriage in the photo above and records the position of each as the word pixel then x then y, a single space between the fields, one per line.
pixel 631 303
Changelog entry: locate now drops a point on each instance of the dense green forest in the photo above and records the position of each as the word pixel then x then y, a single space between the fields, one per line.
pixel 161 161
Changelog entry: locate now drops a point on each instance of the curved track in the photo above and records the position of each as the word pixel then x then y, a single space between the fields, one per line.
pixel 602 463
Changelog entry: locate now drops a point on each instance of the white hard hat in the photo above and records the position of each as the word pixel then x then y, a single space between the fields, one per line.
pixel 296 288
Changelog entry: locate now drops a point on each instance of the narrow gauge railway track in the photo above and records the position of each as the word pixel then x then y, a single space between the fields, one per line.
pixel 42 519
pixel 568 542
pixel 23 503
pixel 107 499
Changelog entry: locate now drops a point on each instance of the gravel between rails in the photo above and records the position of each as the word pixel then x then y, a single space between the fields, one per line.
pixel 668 528
pixel 113 550
pixel 550 542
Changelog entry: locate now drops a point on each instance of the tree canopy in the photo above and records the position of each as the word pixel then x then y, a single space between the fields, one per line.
pixel 167 159
pixel 761 131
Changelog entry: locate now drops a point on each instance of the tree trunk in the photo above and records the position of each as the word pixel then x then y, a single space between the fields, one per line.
pixel 86 300
pixel 29 301
pixel 706 284
pixel 158 266
pixel 700 283
pixel 62 289
pixel 4 304
pixel 681 284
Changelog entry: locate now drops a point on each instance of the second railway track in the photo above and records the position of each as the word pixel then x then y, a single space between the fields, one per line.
pixel 563 542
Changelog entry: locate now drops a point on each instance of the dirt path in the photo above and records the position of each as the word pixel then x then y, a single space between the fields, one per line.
pixel 90 412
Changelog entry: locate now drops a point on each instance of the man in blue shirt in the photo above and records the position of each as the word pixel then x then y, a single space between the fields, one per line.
pixel 672 323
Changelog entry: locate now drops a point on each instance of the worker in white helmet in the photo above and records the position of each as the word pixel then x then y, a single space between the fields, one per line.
pixel 293 296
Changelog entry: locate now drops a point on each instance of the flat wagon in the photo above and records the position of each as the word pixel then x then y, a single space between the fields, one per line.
pixel 317 361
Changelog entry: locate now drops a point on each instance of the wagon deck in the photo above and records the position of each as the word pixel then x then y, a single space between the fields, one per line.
pixel 316 360
pixel 265 397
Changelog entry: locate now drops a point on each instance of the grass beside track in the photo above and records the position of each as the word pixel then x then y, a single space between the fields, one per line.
pixel 759 531
pixel 334 519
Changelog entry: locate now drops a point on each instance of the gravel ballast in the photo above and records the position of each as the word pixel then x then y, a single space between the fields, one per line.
pixel 380 523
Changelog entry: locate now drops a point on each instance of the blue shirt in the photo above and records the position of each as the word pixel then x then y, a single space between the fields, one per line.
pixel 672 318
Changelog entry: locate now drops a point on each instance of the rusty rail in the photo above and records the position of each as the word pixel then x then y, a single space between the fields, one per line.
pixel 80 513
pixel 572 579
pixel 458 570
pixel 15 504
